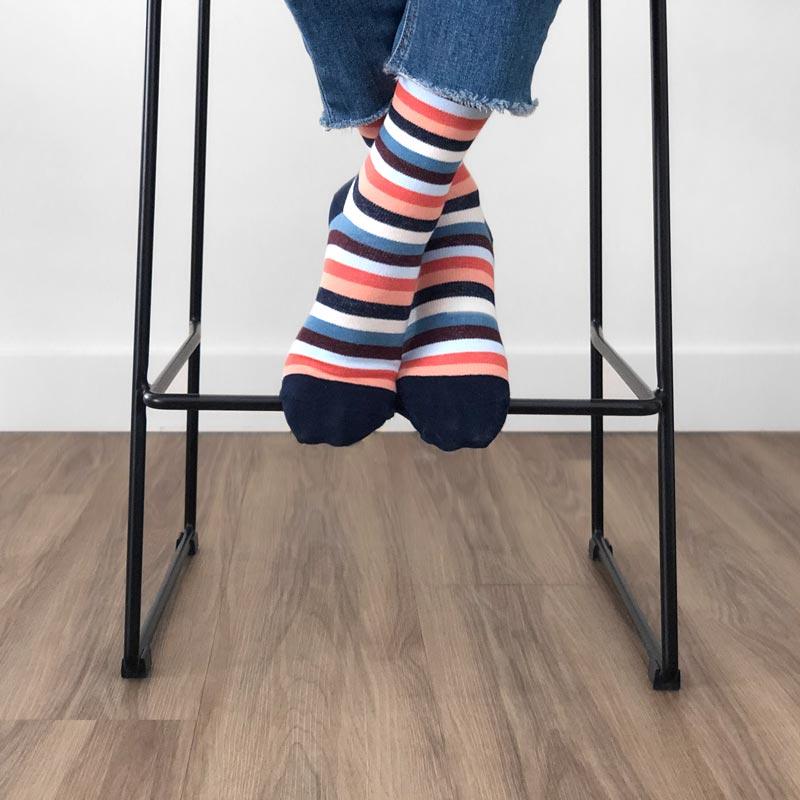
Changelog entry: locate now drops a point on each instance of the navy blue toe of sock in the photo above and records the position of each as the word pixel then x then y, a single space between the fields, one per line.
pixel 451 412
pixel 333 412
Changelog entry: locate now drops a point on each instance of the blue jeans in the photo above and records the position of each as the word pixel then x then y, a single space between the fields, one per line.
pixel 480 53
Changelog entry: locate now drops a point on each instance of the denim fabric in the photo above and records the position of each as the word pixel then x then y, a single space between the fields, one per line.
pixel 480 53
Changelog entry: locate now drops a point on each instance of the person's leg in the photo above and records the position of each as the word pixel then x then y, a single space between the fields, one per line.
pixel 453 379
pixel 477 53
pixel 348 42
pixel 489 64
pixel 340 375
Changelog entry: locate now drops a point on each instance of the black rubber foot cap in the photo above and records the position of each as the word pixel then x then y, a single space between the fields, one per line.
pixel 139 669
pixel 664 683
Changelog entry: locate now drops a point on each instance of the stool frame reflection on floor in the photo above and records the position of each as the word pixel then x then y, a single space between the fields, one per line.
pixel 662 651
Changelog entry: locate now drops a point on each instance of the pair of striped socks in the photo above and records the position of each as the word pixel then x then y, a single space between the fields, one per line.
pixel 404 318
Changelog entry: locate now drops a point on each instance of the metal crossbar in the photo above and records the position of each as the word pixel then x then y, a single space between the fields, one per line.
pixel 662 652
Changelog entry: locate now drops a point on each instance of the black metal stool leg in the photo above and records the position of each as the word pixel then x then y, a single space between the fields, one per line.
pixel 596 264
pixel 135 661
pixel 667 674
pixel 196 286
pixel 663 655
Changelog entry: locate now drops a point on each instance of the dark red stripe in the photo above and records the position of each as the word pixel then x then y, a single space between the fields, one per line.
pixel 372 253
pixel 348 348
pixel 451 333
pixel 412 170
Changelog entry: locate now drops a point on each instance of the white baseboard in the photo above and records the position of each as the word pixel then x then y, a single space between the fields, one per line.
pixel 716 388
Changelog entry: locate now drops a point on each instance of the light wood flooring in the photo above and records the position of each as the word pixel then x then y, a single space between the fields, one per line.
pixel 387 621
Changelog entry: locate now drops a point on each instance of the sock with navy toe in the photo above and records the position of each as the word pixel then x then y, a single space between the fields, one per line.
pixel 462 399
pixel 453 380
pixel 340 376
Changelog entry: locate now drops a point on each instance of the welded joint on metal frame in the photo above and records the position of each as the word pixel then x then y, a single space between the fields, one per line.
pixel 164 379
pixel 625 371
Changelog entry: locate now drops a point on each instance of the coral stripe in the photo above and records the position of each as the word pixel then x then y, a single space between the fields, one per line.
pixel 456 276
pixel 369 278
pixel 378 383
pixel 434 126
pixel 458 358
pixel 463 183
pixel 394 205
pixel 392 189
pixel 358 291
pixel 458 262
pixel 454 369
pixel 370 131
pixel 437 114
pixel 294 359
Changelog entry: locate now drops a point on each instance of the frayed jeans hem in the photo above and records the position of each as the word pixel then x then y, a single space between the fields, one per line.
pixel 518 108
pixel 330 123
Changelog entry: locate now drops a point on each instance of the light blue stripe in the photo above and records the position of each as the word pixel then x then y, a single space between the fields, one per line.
pixel 413 184
pixel 346 226
pixel 442 103
pixel 373 267
pixel 465 250
pixel 353 336
pixel 450 319
pixel 445 167
pixel 329 357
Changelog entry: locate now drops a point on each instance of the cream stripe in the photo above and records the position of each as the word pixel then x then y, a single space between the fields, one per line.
pixel 422 148
pixel 455 346
pixel 329 357
pixel 403 181
pixel 467 215
pixel 354 322
pixel 450 305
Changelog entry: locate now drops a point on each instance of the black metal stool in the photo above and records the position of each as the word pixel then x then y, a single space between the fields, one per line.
pixel 663 655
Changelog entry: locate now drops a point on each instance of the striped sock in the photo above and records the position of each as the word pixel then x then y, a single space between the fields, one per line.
pixel 340 375
pixel 453 380
pixel 452 339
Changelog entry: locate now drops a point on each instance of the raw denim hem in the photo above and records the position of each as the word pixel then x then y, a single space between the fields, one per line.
pixel 329 123
pixel 466 98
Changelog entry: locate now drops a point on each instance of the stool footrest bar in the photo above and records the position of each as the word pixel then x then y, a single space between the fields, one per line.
pixel 256 402
pixel 183 549
pixel 600 550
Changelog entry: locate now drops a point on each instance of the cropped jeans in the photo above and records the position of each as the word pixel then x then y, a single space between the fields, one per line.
pixel 479 53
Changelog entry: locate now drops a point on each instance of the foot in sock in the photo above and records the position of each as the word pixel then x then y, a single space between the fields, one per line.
pixel 453 380
pixel 341 372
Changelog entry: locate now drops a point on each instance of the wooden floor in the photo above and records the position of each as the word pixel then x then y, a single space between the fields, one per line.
pixel 387 621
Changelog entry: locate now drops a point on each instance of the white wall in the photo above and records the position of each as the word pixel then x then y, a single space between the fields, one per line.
pixel 70 103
